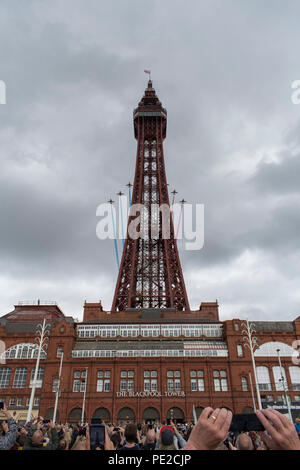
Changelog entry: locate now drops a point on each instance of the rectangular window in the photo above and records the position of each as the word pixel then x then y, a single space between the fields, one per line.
pixel 106 385
pixel 76 385
pixel 12 401
pixel 147 385
pixel 123 385
pixel 100 385
pixel 5 373
pixel 220 382
pixel 194 385
pixel 130 384
pixel 36 401
pixel 40 374
pixel 59 351
pixel 19 401
pixel 170 385
pixel 82 386
pixel 244 384
pixel 20 377
pixel 55 385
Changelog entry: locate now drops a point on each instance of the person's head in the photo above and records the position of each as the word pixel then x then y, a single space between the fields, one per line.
pixel 115 439
pixel 150 436
pixel 297 420
pixel 62 444
pixel 166 439
pixel 130 433
pixel 244 442
pixel 37 437
pixel 21 440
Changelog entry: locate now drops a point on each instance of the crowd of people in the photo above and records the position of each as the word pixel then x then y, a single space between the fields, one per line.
pixel 211 432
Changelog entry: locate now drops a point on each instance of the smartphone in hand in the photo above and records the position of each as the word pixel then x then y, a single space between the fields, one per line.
pixel 245 422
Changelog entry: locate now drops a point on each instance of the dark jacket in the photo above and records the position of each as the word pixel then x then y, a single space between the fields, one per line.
pixel 52 445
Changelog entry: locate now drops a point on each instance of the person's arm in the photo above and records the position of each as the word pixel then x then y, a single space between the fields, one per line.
pixel 108 444
pixel 210 430
pixel 54 443
pixel 8 440
pixel 180 441
pixel 282 433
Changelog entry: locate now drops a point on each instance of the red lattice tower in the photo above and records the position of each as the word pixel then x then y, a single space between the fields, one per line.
pixel 150 274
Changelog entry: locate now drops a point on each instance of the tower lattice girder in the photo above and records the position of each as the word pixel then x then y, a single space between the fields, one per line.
pixel 150 274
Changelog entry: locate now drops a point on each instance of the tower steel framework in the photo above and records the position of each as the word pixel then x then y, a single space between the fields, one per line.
pixel 150 274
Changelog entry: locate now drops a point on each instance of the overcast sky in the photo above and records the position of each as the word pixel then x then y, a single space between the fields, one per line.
pixel 223 69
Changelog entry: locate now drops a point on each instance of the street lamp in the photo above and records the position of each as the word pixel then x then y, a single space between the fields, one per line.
pixel 251 342
pixel 41 338
pixel 84 395
pixel 284 387
pixel 57 394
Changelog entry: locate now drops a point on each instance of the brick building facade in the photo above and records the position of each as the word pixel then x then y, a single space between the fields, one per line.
pixel 150 357
pixel 144 365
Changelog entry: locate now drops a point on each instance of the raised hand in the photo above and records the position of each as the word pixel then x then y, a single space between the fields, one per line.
pixel 211 429
pixel 282 432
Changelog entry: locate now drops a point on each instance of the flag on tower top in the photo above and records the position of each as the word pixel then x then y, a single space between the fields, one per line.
pixel 147 71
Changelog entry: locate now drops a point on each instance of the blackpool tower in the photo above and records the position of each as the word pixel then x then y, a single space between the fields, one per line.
pixel 150 274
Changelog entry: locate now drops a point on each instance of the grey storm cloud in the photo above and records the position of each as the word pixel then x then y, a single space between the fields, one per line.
pixel 74 73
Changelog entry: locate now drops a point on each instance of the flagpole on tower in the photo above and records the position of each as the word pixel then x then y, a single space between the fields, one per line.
pixel 149 73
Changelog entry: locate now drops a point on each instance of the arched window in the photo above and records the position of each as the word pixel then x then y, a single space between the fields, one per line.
pixel 270 350
pixel 5 373
pixel 279 377
pixel 240 351
pixel 244 384
pixel 39 379
pixel 295 377
pixel 20 377
pixel 263 377
pixel 23 351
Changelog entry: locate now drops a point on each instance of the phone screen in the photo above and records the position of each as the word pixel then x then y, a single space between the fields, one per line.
pixel 245 422
pixel 97 435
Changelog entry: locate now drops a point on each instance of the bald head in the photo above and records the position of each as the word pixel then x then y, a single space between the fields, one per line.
pixel 150 436
pixel 244 442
